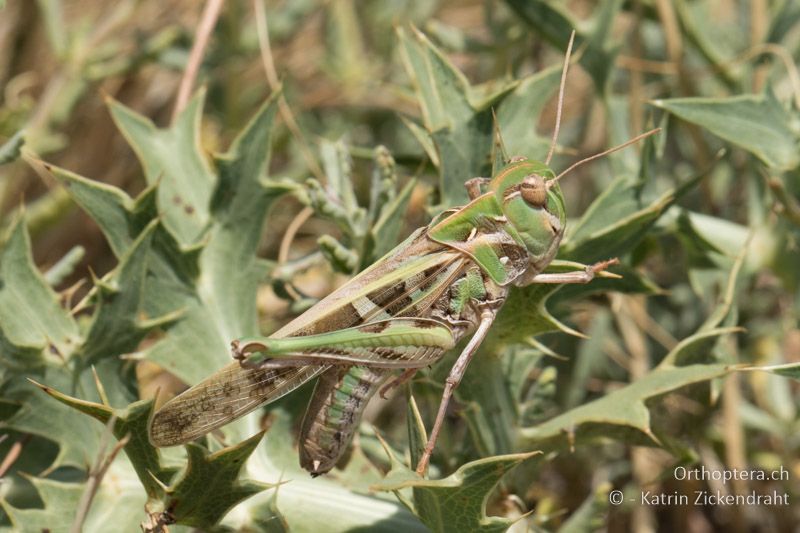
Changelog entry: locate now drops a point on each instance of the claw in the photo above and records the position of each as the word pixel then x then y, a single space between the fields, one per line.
pixel 237 352
pixel 602 265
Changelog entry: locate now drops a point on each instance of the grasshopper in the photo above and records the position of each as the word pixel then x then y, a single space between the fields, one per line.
pixel 445 281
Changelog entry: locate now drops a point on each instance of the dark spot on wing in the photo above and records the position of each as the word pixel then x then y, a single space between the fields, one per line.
pixel 375 327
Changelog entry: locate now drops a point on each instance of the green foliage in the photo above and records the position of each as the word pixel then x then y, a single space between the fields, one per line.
pixel 457 502
pixel 757 123
pixel 209 487
pixel 388 131
pixel 10 150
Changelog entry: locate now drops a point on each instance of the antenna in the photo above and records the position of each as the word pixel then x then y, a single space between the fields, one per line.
pixel 560 98
pixel 601 154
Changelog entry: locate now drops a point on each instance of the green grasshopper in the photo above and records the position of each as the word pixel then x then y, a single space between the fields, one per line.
pixel 445 281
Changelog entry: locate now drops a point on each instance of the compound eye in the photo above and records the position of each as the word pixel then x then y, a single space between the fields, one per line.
pixel 534 191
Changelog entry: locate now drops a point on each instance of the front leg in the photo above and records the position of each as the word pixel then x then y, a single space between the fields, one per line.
pixel 453 379
pixel 578 276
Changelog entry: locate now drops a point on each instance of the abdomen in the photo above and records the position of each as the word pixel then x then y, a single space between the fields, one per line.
pixel 334 414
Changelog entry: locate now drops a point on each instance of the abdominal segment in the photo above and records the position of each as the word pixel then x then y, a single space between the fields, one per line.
pixel 334 414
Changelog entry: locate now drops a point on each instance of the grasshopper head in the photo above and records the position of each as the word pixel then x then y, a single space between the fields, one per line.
pixel 534 206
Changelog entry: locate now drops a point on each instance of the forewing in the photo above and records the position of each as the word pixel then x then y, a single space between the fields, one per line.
pixel 381 291
pixel 222 397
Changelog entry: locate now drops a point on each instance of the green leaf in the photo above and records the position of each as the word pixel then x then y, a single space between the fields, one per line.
pixel 10 150
pixel 30 314
pixel 387 228
pixel 619 412
pixel 119 501
pixel 76 436
pixel 209 486
pixel 591 515
pixel 457 502
pixel 274 460
pixel 614 222
pixel 240 205
pixel 698 348
pixel 756 123
pixel 551 23
pixel 216 305
pixel 461 130
pixel 490 409
pixel 120 218
pixel 174 158
pixel 60 502
pixel 339 173
pixel 133 422
pixel 518 112
pixel 789 370
pixel 442 89
pixel 616 413
pixel 203 492
pixel 525 315
pixel 116 328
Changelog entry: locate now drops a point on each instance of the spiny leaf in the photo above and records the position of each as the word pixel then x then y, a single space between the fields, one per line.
pixel 551 23
pixel 133 422
pixel 757 123
pixel 457 502
pixel 525 314
pixel 119 501
pixel 218 306
pixel 121 219
pixel 617 412
pixel 30 314
pixel 625 409
pixel 614 222
pixel 173 157
pixel 76 436
pixel 518 112
pixel 698 347
pixel 60 502
pixel 460 129
pixel 209 486
pixel 116 328
pixel 274 460
pixel 240 206
pixel 443 90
